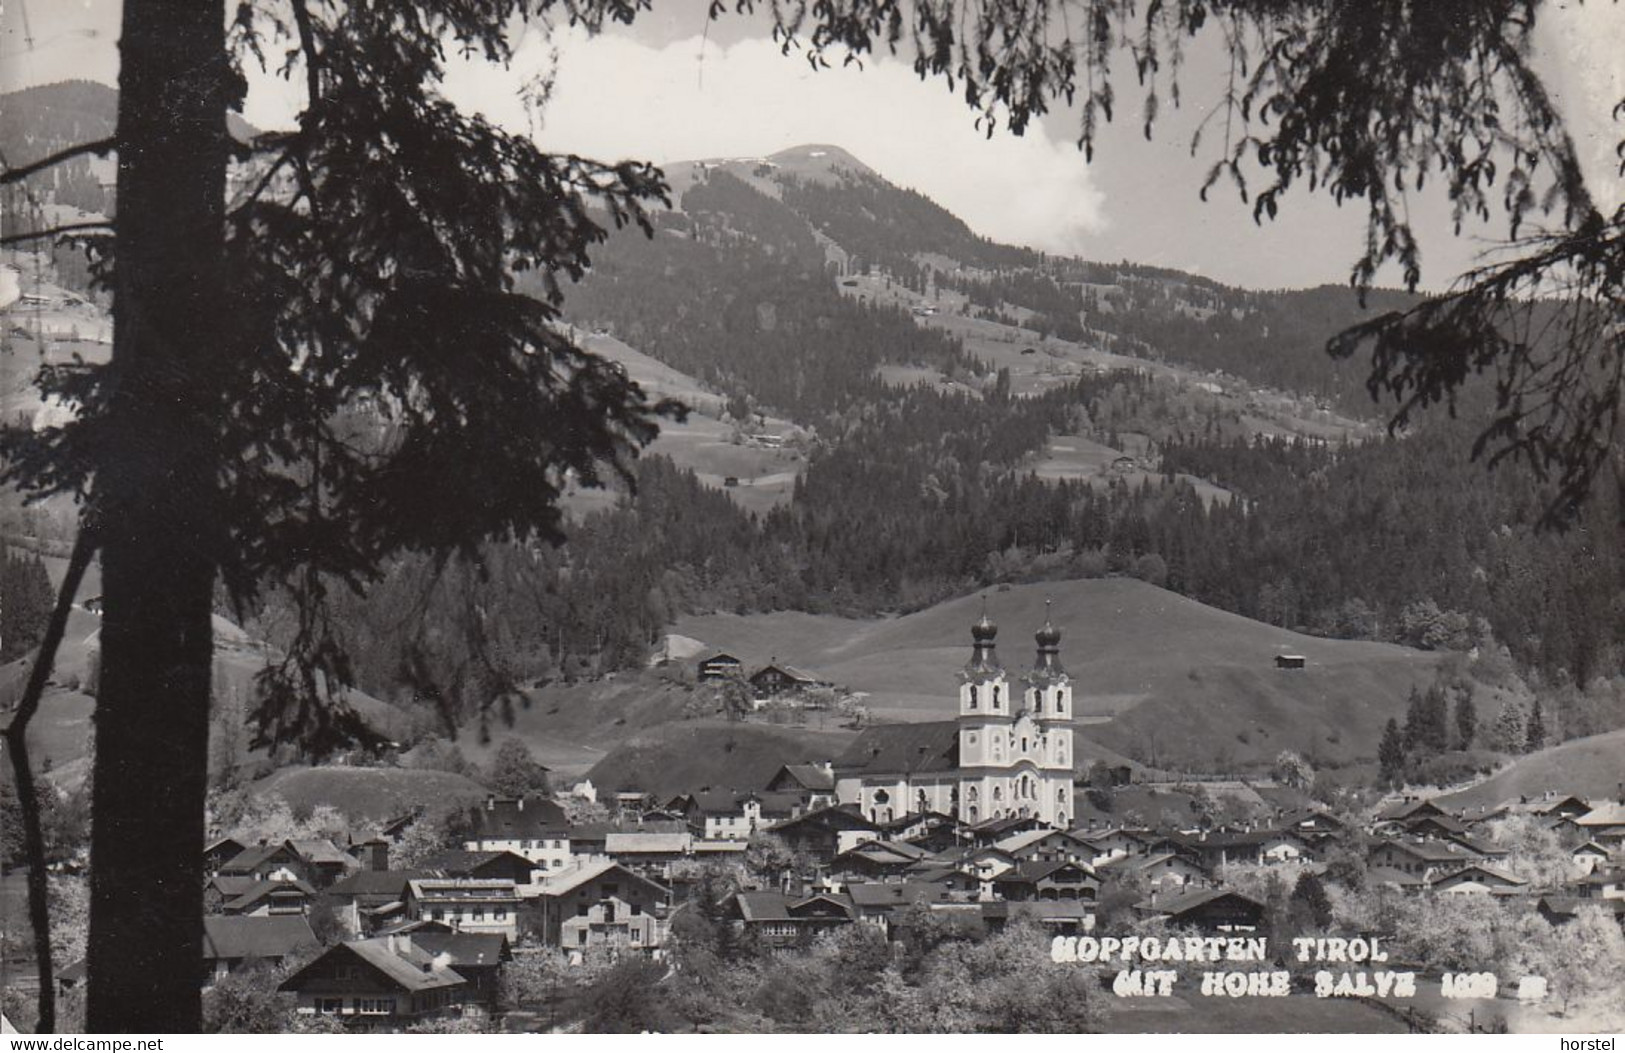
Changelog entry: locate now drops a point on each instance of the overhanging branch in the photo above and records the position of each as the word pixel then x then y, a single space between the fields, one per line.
pixel 101 148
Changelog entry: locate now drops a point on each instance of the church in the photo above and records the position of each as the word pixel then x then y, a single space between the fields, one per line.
pixel 1008 753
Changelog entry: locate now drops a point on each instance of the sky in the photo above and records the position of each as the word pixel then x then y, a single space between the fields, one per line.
pixel 674 87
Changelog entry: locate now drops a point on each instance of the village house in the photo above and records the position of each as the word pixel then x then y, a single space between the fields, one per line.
pixel 1480 879
pixel 1114 843
pixel 1210 910
pixel 368 900
pixel 1423 859
pixel 221 851
pixel 273 896
pixel 932 831
pixel 1046 880
pixel 776 679
pixel 603 904
pixel 649 853
pixel 826 832
pixel 1165 870
pixel 1046 846
pixel 494 865
pixel 875 861
pixel 477 957
pixel 812 784
pixel 516 824
pixel 717 665
pixel 266 860
pixel 1589 856
pixel 466 904
pixel 782 920
pixel 388 980
pixel 229 943
pixel 1055 917
pixel 879 904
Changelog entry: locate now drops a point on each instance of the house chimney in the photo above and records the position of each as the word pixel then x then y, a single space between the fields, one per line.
pixel 442 960
pixel 521 803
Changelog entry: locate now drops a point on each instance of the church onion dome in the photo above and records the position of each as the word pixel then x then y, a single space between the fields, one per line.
pixel 1049 649
pixel 984 660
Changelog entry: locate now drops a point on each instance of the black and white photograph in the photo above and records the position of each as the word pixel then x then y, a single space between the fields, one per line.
pixel 687 517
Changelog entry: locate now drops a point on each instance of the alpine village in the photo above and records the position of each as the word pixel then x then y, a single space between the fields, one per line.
pixel 986 606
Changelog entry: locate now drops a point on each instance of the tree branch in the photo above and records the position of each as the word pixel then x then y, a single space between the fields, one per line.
pixel 101 147
pixel 16 733
pixel 51 232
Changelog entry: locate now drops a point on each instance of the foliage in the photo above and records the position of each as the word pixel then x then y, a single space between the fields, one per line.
pixel 247 1002
pixel 627 999
pixel 1508 733
pixel 1391 752
pixel 515 772
pixel 29 598
pixel 1292 770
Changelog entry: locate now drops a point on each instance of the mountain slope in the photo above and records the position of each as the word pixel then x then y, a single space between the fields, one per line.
pixel 1158 677
pixel 1590 767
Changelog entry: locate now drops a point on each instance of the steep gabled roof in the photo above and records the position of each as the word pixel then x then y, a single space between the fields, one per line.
pixel 239 937
pixel 262 889
pixel 374 883
pixel 1185 902
pixel 902 749
pixel 874 894
pixel 475 949
pixel 561 882
pixel 515 818
pixel 807 776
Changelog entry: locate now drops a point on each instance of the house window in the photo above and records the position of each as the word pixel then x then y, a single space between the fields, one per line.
pixel 635 909
pixel 581 938
pixel 500 913
pixel 374 1006
pixel 347 972
pixel 329 1006
pixel 582 910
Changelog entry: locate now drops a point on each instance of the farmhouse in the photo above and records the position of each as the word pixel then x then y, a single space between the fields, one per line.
pixel 1209 910
pixel 603 903
pixel 776 679
pixel 466 904
pixel 516 824
pixel 717 665
pixel 782 920
pixel 230 943
pixel 388 980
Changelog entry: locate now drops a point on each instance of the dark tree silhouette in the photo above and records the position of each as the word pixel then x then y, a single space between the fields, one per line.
pixel 319 360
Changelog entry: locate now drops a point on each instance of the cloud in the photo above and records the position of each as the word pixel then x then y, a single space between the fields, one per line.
pixel 615 98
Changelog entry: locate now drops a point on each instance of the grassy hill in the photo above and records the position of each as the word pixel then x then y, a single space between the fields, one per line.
pixel 677 757
pixel 570 727
pixel 368 793
pixel 1156 676
pixel 1592 767
pixel 764 477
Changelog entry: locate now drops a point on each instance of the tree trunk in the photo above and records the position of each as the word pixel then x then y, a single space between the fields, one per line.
pixel 158 516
